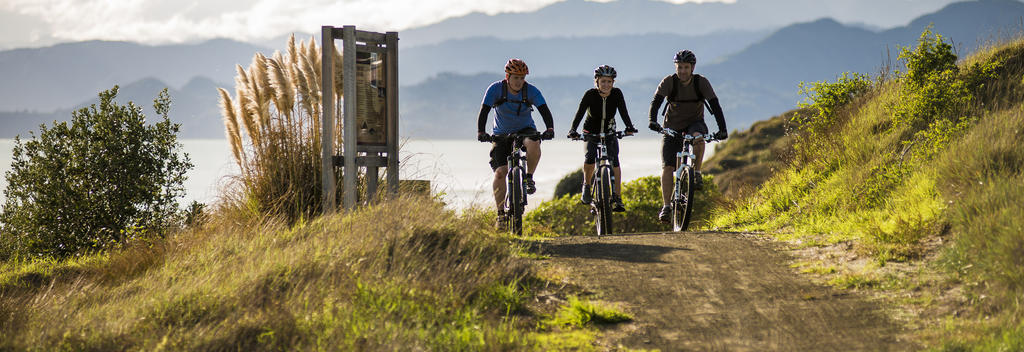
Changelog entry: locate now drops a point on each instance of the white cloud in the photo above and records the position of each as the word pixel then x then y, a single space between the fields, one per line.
pixel 163 21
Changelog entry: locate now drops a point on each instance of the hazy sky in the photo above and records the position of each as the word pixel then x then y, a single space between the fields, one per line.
pixel 43 22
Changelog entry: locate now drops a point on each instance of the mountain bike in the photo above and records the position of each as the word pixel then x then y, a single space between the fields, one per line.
pixel 515 190
pixel 603 182
pixel 684 179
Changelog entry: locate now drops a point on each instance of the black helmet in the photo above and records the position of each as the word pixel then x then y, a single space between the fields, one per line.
pixel 604 71
pixel 685 56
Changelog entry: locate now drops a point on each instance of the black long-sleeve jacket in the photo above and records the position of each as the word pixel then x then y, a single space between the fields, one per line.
pixel 600 108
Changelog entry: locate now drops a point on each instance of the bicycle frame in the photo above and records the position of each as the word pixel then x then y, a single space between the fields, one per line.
pixel 515 190
pixel 603 182
pixel 684 178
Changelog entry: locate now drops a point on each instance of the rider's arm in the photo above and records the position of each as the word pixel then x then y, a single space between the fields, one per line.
pixel 623 112
pixel 716 109
pixel 481 122
pixel 545 113
pixel 580 112
pixel 655 105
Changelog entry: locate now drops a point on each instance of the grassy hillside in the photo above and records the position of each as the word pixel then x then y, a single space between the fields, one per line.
pixel 374 279
pixel 923 167
pixel 750 157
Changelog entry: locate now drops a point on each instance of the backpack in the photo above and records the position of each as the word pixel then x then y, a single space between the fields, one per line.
pixel 504 95
pixel 696 87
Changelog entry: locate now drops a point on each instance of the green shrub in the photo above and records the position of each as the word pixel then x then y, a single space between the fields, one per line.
pixel 826 99
pixel 559 217
pixel 931 55
pixel 105 178
pixel 824 111
pixel 571 184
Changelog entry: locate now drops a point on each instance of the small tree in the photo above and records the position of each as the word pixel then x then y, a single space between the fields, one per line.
pixel 103 179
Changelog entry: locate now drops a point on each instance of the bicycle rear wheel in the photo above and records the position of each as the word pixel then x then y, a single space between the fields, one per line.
pixel 683 204
pixel 604 200
pixel 515 201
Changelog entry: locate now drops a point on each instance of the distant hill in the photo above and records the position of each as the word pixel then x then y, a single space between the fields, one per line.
pixel 51 78
pixel 576 18
pixel 452 112
pixel 816 50
pixel 194 107
pixel 633 55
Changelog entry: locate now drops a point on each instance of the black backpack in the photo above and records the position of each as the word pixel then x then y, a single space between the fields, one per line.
pixel 504 96
pixel 696 87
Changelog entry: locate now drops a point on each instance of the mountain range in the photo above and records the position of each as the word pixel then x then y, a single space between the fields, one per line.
pixel 580 18
pixel 754 71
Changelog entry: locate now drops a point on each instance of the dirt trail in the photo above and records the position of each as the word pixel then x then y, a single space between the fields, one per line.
pixel 716 291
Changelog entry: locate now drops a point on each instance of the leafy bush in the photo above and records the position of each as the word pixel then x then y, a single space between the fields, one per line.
pixel 571 184
pixel 829 105
pixel 937 99
pixel 931 55
pixel 826 99
pixel 105 178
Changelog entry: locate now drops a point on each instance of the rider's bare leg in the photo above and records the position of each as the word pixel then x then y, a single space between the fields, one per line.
pixel 698 150
pixel 666 184
pixel 499 187
pixel 532 154
pixel 588 173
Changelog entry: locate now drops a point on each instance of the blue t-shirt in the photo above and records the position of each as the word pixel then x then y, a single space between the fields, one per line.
pixel 514 114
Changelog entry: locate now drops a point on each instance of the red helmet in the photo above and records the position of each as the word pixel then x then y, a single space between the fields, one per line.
pixel 516 67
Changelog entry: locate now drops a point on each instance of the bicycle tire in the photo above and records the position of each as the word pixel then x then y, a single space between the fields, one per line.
pixel 683 204
pixel 515 201
pixel 604 200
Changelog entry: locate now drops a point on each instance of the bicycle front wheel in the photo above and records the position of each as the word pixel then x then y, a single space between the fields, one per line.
pixel 604 202
pixel 683 203
pixel 515 201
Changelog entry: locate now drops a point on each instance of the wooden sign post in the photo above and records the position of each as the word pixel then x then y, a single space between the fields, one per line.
pixel 370 112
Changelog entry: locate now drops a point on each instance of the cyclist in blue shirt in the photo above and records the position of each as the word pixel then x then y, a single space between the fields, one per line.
pixel 513 101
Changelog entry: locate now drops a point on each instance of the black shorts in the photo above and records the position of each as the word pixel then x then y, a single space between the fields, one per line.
pixel 672 145
pixel 613 151
pixel 502 148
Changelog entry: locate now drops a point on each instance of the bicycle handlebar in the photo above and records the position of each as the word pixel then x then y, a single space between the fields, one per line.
pixel 490 138
pixel 587 136
pixel 708 137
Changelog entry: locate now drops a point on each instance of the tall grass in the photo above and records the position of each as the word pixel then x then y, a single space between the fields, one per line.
pixel 273 126
pixel 372 279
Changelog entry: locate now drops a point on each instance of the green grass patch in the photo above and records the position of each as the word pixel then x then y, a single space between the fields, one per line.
pixel 854 281
pixel 579 313
pixel 817 267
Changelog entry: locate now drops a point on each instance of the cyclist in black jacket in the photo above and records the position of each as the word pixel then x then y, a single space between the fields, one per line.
pixel 600 104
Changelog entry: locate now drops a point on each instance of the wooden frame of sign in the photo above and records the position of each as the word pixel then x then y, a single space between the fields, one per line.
pixel 370 116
